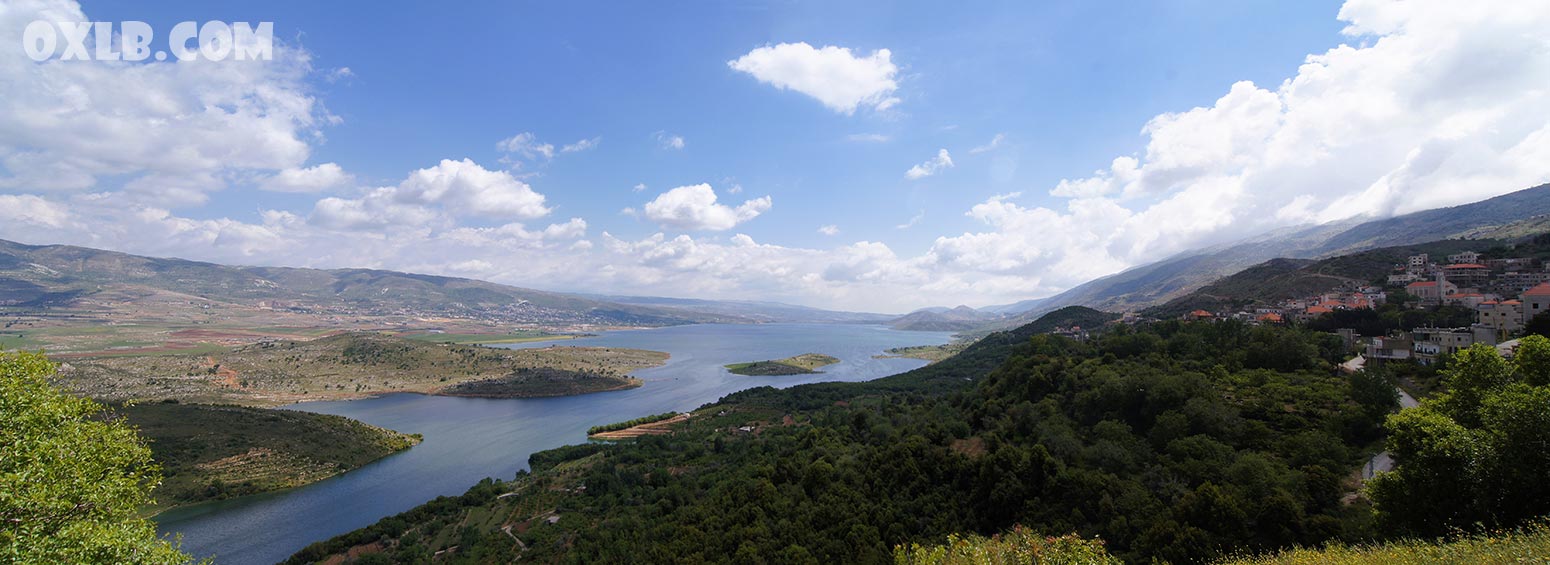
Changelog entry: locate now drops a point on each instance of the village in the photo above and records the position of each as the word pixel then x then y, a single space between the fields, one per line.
pixel 1504 295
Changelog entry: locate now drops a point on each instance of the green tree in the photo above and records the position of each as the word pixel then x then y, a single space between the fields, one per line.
pixel 1477 455
pixel 70 480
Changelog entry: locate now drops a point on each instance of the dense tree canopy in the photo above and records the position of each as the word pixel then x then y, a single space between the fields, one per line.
pixel 1478 454
pixel 70 481
pixel 1176 441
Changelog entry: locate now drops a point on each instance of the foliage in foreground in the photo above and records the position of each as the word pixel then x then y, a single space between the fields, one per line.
pixel 1529 545
pixel 1477 455
pixel 70 482
pixel 1019 546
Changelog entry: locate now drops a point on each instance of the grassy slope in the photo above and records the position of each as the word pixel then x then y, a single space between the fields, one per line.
pixel 212 452
pixel 355 365
pixel 1530 545
pixel 806 363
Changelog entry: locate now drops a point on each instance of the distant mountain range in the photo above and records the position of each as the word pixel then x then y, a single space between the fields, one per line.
pixel 752 310
pixel 1154 284
pixel 944 319
pixel 43 276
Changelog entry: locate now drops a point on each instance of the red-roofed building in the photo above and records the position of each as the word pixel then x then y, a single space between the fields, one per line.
pixel 1199 315
pixel 1270 318
pixel 1535 301
pixel 1431 292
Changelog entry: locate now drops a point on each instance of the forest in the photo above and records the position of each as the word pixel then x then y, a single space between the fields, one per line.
pixel 1176 441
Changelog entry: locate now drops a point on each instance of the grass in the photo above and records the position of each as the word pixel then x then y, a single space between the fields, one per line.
pixel 806 363
pixel 1528 545
pixel 212 452
pixel 1016 547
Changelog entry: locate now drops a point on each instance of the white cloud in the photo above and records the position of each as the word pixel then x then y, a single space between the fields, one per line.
pixel 868 137
pixel 695 208
pixel 834 76
pixel 1434 103
pixel 638 187
pixel 188 125
pixel 830 229
pixel 317 178
pixel 669 141
pixel 434 195
pixel 339 74
pixel 913 221
pixel 994 143
pixel 527 145
pixel 928 168
pixel 581 145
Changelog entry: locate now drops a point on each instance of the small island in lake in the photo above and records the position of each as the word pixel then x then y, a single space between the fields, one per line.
pixel 803 364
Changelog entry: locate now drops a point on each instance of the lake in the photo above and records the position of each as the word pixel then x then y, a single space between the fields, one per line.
pixel 469 439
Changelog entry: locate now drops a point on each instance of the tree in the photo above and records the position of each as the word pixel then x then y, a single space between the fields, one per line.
pixel 71 480
pixel 1477 455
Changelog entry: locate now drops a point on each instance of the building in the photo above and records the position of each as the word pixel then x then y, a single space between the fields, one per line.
pixel 1504 318
pixel 1432 343
pixel 1468 275
pixel 1518 281
pixel 1199 315
pixel 1535 301
pixel 1417 264
pixel 1464 257
pixel 1270 318
pixel 1431 292
pixel 1390 348
pixel 1471 300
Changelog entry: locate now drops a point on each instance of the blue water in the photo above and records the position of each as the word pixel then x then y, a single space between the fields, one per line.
pixel 468 439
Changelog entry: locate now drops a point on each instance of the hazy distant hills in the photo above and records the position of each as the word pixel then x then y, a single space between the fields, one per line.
pixel 60 275
pixel 1157 283
pixel 944 320
pixel 752 310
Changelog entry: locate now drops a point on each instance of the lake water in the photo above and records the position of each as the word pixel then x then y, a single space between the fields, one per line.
pixel 468 439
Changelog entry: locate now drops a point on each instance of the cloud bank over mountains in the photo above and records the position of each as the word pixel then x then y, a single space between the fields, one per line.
pixel 1430 103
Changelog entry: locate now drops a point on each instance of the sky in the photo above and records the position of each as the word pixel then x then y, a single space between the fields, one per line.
pixel 856 156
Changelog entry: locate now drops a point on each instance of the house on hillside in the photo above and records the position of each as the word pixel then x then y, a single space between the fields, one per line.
pixel 1199 315
pixel 1468 275
pixel 1535 301
pixel 1503 318
pixel 1433 343
pixel 1464 257
pixel 1431 292
pixel 1270 318
pixel 1390 348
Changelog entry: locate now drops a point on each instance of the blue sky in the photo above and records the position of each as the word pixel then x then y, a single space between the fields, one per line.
pixel 1065 87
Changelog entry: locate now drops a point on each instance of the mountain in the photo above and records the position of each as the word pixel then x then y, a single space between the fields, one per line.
pixel 62 275
pixel 943 320
pixel 1157 283
pixel 754 310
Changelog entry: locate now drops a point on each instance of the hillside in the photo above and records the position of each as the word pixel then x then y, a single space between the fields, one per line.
pixel 216 452
pixel 943 320
pixel 354 365
pixel 1157 283
pixel 51 276
pixel 1172 441
pixel 1281 279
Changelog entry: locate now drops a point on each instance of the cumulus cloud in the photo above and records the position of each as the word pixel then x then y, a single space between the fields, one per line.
pixel 832 75
pixel 317 178
pixel 188 125
pixel 434 194
pixel 694 207
pixel 940 162
pixel 830 229
pixel 1431 104
pixel 638 187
